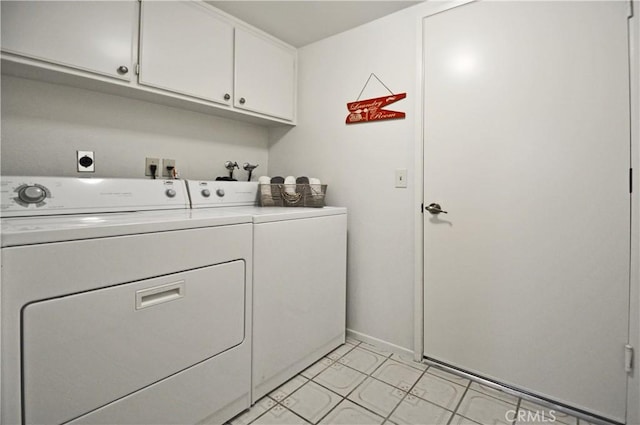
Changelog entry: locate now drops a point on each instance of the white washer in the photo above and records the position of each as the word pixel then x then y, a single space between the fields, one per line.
pixel 121 305
pixel 299 275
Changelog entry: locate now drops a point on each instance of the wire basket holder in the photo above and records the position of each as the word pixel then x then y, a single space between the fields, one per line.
pixel 292 195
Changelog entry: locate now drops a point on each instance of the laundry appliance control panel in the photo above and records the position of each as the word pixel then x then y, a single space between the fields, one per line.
pixel 33 196
pixel 207 194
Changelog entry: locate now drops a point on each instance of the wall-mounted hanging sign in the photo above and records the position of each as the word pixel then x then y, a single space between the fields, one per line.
pixel 367 110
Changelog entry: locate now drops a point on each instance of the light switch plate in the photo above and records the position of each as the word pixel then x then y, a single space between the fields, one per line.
pixel 401 177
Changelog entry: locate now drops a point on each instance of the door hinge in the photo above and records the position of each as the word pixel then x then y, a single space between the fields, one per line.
pixel 137 69
pixel 630 15
pixel 630 180
pixel 422 208
pixel 628 358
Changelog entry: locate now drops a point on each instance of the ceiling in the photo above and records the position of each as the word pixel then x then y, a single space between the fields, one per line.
pixel 301 22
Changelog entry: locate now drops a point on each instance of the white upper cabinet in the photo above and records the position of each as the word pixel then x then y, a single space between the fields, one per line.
pixel 186 54
pixel 92 36
pixel 265 72
pixel 185 48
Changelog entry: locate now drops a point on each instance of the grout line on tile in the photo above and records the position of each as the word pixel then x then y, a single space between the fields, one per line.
pixel 422 373
pixel 358 386
pixel 378 367
pixel 388 418
pixel 263 413
pixel 339 395
pixel 283 406
pixel 463 416
pixel 459 403
pixel 517 410
pixel 328 389
pixel 296 390
pixel 322 370
pixel 351 401
pixel 391 385
pixel 368 376
pixel 342 356
pixel 305 420
pixel 369 410
pixel 330 410
pixel 353 368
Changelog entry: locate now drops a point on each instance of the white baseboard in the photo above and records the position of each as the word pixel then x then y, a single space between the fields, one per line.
pixel 386 346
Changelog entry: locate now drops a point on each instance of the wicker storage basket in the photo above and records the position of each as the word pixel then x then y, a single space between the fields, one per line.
pixel 292 195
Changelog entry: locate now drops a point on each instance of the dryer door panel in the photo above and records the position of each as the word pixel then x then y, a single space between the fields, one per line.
pixel 85 350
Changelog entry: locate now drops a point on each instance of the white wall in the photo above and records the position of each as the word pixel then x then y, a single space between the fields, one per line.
pixel 44 124
pixel 358 162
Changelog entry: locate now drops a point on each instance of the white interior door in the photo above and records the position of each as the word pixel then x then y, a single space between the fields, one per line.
pixel 527 148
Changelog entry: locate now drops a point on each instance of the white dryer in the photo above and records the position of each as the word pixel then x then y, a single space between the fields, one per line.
pixel 121 305
pixel 299 275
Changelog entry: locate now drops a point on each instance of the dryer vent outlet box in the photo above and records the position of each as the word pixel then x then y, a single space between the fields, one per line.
pixel 86 162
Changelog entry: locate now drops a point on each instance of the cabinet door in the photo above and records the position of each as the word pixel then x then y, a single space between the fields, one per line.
pixel 265 76
pixel 94 36
pixel 185 48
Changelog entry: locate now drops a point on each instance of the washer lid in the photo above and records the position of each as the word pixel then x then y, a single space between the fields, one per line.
pixel 45 229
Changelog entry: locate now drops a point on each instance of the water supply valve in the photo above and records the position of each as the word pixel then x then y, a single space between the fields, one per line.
pixel 231 166
pixel 249 167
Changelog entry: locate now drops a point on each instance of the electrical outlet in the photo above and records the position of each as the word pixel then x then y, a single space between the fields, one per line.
pixel 167 163
pixel 147 166
pixel 401 177
pixel 85 161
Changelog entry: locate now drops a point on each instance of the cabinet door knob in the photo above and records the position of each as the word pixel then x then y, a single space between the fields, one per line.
pixel 242 100
pixel 227 96
pixel 122 69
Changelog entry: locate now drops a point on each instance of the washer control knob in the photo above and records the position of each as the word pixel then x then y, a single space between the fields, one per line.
pixel 32 194
pixel 171 193
pixel 206 193
pixel 220 192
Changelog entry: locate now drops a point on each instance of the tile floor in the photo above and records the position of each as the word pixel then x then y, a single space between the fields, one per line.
pixel 359 384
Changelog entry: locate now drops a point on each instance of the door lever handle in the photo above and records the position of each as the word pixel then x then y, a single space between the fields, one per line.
pixel 435 209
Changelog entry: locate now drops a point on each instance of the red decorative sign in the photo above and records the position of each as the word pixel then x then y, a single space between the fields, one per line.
pixel 371 109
